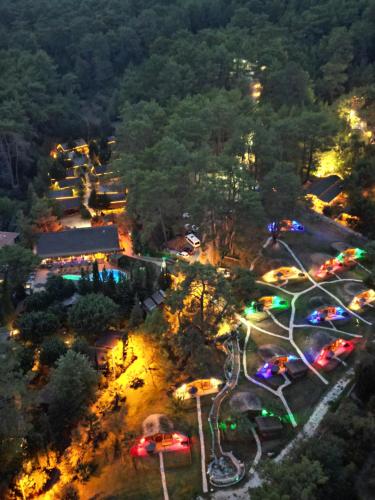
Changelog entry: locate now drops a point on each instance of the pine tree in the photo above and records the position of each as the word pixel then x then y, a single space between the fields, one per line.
pixel 136 315
pixel 110 285
pixel 84 284
pixel 96 282
pixel 93 199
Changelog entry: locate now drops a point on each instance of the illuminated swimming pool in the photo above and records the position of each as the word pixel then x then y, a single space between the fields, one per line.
pixel 116 275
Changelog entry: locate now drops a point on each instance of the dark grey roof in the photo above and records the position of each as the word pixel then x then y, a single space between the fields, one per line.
pixel 101 169
pixel 245 401
pixel 116 187
pixel 69 204
pixel 80 142
pixel 316 342
pixel 74 182
pixel 149 305
pixel 116 197
pixel 268 351
pixel 61 193
pixel 326 188
pixel 79 160
pixel 84 240
pixel 296 367
pixel 158 297
pixel 71 172
pixel 268 424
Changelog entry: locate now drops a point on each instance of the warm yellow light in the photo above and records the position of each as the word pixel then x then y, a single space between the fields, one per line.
pixel 282 274
pixel 329 163
pixel 362 299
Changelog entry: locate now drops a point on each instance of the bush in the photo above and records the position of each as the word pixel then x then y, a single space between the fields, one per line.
pixel 51 350
pixel 59 289
pixel 93 314
pixel 36 325
pixel 82 346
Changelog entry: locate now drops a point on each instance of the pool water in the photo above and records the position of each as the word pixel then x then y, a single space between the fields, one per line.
pixel 116 275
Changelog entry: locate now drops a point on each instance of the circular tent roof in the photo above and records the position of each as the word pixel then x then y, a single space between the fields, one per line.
pixel 268 351
pixel 317 300
pixel 316 341
pixel 339 246
pixel 318 258
pixel 245 401
pixel 157 423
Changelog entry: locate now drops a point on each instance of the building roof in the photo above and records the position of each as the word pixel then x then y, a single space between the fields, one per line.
pixel 158 297
pixel 61 193
pixel 116 197
pixel 113 187
pixel 85 240
pixel 78 160
pixel 73 182
pixel 71 172
pixel 79 143
pixel 7 238
pixel 101 169
pixel 245 401
pixel 326 188
pixel 149 304
pixel 268 424
pixel 69 204
pixel 296 367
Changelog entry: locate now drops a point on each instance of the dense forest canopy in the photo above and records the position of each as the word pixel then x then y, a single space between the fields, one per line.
pixel 160 73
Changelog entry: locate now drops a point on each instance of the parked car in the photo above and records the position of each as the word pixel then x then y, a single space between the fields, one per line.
pixel 224 271
pixel 193 240
pixel 182 254
pixel 188 250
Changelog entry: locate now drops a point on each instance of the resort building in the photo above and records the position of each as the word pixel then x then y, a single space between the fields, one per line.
pixel 82 245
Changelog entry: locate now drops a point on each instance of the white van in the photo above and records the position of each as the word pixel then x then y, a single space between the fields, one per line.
pixel 193 240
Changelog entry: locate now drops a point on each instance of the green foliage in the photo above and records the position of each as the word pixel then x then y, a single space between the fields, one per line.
pixel 96 281
pixel 36 325
pixel 203 297
pixel 165 279
pixel 25 358
pixel 93 314
pixel 14 423
pixel 8 211
pixel 59 289
pixel 365 376
pixel 281 189
pixel 155 322
pixel 17 263
pixel 71 387
pixel 51 350
pixel 81 346
pixel 287 480
pixel 137 314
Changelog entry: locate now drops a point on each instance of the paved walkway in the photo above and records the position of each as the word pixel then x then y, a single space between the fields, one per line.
pixel 163 478
pixel 201 440
pixel 217 451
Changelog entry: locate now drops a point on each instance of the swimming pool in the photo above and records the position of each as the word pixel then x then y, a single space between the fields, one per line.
pixel 116 275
